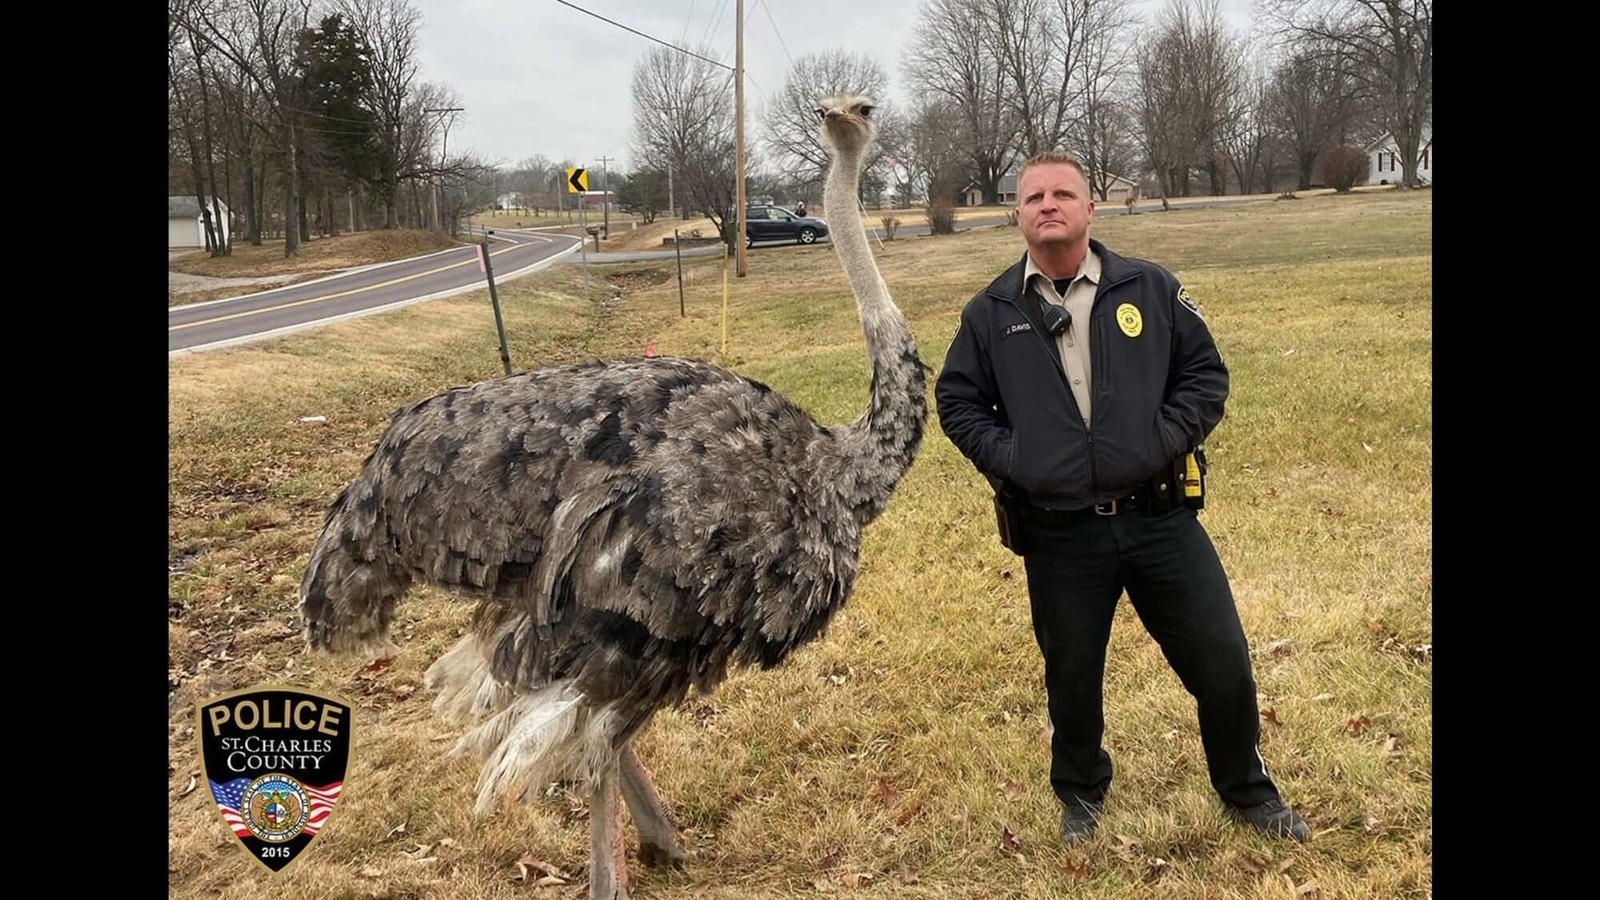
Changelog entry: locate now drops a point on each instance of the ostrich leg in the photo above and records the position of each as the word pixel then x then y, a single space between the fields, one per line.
pixel 658 844
pixel 608 871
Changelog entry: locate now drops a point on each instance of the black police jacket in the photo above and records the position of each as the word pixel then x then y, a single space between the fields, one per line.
pixel 1158 386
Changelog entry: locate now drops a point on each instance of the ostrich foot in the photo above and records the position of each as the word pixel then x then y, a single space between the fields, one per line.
pixel 658 842
pixel 658 857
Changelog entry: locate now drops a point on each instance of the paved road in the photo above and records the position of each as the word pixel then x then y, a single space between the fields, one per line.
pixel 221 323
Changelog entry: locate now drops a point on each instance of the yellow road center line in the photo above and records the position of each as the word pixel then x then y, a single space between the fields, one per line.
pixel 257 312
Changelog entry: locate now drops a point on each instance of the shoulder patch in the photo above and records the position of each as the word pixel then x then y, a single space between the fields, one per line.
pixel 1186 300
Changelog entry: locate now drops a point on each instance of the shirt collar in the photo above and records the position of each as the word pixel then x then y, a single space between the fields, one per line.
pixel 1089 268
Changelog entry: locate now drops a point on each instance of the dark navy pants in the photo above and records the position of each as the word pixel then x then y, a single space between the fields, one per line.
pixel 1077 571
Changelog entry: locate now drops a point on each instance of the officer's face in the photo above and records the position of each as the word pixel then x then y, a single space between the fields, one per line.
pixel 1053 205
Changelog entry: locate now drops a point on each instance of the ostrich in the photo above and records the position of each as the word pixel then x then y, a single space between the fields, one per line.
pixel 630 530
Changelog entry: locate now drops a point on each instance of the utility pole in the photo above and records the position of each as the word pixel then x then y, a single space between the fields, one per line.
pixel 605 192
pixel 444 153
pixel 740 258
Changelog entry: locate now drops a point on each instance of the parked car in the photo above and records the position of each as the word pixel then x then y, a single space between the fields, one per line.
pixel 774 223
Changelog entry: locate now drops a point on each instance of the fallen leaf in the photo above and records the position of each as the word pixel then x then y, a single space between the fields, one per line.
pixel 1010 844
pixel 1012 791
pixel 1270 714
pixel 187 788
pixel 907 812
pixel 1371 824
pixel 855 879
pixel 1366 446
pixel 418 851
pixel 447 842
pixel 883 793
pixel 1252 864
pixel 1306 890
pixel 1280 647
pixel 548 880
pixel 426 860
pixel 1357 724
pixel 398 829
pixel 1391 746
pixel 530 862
pixel 1322 698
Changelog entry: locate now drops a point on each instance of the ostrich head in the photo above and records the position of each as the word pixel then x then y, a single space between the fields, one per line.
pixel 846 122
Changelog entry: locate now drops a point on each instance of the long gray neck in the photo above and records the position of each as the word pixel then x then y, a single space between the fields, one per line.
pixel 878 448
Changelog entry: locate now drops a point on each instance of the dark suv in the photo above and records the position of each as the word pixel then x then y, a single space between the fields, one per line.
pixel 774 223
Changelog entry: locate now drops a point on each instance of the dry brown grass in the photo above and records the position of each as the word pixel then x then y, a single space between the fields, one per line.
pixel 889 758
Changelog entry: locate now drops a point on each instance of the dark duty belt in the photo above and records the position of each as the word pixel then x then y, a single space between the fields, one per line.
pixel 1148 497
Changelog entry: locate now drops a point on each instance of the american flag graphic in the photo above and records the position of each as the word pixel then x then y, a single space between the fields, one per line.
pixel 230 794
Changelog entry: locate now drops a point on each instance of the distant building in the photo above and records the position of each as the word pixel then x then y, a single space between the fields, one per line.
pixel 1384 165
pixel 186 228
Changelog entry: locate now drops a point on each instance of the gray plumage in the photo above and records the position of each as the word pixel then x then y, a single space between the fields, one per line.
pixel 632 529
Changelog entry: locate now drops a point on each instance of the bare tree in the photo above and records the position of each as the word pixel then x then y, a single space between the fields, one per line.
pixel 189 95
pixel 1313 96
pixel 683 120
pixel 1249 140
pixel 789 118
pixel 530 181
pixel 952 59
pixel 259 37
pixel 1102 134
pixel 1033 51
pixel 1190 68
pixel 936 156
pixel 1390 45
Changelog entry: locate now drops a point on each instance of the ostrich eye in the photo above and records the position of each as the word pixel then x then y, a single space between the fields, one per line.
pixel 821 113
pixel 866 111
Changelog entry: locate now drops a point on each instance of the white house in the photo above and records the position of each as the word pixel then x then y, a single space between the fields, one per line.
pixel 1383 160
pixel 185 227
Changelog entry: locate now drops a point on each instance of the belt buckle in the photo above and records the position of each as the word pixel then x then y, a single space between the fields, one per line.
pixel 1106 509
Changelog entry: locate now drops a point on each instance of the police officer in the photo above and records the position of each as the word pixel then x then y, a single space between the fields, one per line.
pixel 1079 382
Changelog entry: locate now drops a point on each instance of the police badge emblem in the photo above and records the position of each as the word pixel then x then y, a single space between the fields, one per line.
pixel 275 759
pixel 1186 300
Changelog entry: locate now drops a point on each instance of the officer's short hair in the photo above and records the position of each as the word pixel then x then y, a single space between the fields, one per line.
pixel 1050 158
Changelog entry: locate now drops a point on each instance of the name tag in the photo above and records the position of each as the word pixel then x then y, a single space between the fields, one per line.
pixel 1016 328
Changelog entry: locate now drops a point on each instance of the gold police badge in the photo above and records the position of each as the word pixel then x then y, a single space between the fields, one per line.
pixel 1129 320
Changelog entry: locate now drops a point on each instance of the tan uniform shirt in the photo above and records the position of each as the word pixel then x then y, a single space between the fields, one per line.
pixel 1074 342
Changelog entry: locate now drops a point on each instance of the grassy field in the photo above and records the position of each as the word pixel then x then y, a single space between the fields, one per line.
pixel 904 754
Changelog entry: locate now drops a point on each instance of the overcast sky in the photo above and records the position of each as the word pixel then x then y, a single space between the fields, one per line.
pixel 539 77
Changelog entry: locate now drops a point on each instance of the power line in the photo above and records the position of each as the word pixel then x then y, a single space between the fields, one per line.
pixel 683 38
pixel 767 8
pixel 714 21
pixel 642 34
